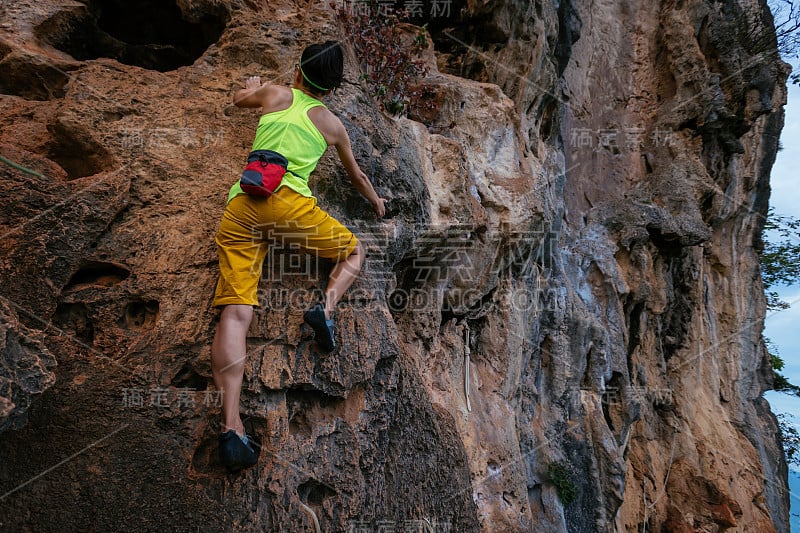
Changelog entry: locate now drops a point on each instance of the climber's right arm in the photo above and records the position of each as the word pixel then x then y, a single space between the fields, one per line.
pixel 341 140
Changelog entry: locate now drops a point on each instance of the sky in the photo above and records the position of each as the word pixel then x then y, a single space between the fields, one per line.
pixel 782 327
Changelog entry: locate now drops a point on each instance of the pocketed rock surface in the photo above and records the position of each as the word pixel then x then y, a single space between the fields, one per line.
pixel 563 300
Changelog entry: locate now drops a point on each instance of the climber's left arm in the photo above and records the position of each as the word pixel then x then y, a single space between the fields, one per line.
pixel 254 93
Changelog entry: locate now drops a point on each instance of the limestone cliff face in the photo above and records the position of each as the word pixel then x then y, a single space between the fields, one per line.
pixel 565 296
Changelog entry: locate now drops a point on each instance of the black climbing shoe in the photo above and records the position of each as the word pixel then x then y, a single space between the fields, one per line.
pixel 323 329
pixel 235 453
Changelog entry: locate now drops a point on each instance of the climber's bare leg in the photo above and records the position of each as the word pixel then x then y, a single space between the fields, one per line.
pixel 342 276
pixel 228 353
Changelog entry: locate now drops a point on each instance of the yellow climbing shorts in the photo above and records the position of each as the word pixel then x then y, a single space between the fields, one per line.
pixel 251 224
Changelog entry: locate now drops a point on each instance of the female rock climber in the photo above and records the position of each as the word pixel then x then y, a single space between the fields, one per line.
pixel 296 124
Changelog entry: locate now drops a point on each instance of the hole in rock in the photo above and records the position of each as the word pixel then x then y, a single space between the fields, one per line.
pixel 75 150
pixel 74 317
pixel 667 241
pixel 398 301
pixel 141 314
pixel 188 378
pixel 315 492
pixel 461 36
pixel 587 381
pixel 299 426
pixel 707 209
pixel 410 287
pixel 307 408
pixel 549 120
pixel 152 34
pixel 29 77
pixel 612 403
pixel 634 317
pixel 546 350
pixel 535 495
pixel 297 399
pixel 98 273
pixel 204 459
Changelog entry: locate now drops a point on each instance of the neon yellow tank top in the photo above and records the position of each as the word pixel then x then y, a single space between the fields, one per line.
pixel 291 133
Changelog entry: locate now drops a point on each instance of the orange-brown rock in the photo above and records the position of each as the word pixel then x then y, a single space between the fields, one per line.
pixel 564 299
